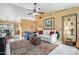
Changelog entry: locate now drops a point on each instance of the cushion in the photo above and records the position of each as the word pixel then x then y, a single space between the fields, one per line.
pixel 51 32
pixel 41 32
pixel 58 34
pixel 53 38
pixel 46 32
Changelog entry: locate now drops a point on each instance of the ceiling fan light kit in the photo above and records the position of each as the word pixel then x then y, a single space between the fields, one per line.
pixel 35 13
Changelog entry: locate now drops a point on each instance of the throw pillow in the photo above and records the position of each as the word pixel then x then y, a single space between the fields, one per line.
pixel 51 32
pixel 41 32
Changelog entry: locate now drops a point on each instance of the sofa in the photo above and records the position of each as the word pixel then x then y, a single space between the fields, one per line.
pixel 48 35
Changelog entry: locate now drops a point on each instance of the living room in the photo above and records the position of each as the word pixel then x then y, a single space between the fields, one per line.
pixel 36 25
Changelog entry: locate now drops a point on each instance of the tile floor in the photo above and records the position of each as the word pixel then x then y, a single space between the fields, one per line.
pixel 64 50
pixel 60 50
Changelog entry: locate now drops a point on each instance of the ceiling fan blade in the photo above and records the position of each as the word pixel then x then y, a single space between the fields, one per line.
pixel 29 9
pixel 41 12
pixel 30 13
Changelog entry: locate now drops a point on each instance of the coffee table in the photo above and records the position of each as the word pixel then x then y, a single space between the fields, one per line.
pixel 35 40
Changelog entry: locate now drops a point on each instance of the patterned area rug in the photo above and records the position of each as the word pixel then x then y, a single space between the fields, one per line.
pixel 23 47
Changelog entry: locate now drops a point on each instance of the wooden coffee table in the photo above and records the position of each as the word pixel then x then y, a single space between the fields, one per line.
pixel 35 40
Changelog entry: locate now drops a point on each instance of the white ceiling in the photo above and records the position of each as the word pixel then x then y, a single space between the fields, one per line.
pixel 16 11
pixel 45 7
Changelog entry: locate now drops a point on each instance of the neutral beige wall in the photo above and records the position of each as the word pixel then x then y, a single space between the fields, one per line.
pixel 26 25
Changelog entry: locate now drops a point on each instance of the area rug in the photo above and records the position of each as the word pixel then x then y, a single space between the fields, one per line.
pixel 23 47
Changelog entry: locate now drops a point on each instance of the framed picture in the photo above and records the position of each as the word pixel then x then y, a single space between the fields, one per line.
pixel 49 23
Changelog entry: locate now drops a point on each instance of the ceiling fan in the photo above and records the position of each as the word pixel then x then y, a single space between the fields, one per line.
pixel 35 11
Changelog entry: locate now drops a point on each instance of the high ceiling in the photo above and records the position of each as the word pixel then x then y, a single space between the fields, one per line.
pixel 22 11
pixel 17 11
pixel 45 7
